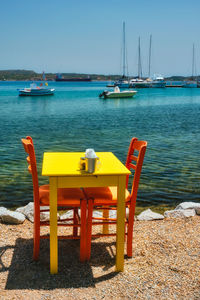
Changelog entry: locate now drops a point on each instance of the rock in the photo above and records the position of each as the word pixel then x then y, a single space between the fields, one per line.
pixel 197 211
pixel 188 205
pixel 180 213
pixel 67 215
pixel 97 214
pixel 3 210
pixel 11 217
pixel 149 215
pixel 112 213
pixel 45 216
pixel 28 211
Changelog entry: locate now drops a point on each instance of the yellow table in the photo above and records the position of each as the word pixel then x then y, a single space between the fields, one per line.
pixel 63 171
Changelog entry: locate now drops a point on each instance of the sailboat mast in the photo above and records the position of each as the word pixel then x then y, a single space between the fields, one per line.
pixel 193 62
pixel 139 60
pixel 150 55
pixel 124 51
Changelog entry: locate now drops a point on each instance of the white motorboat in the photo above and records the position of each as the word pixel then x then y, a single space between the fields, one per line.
pixel 118 94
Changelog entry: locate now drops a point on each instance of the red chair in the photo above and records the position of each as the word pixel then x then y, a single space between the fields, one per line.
pixel 106 197
pixel 70 198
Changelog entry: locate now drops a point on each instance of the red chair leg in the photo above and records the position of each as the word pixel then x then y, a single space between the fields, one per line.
pixel 36 236
pixel 89 228
pixel 75 229
pixel 130 231
pixel 83 230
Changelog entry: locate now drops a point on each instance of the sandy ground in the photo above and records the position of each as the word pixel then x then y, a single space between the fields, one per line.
pixel 165 265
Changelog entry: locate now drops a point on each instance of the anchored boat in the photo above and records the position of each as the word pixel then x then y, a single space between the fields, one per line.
pixel 118 94
pixel 35 90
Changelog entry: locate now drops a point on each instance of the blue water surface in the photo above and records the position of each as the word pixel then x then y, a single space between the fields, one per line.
pixel 75 119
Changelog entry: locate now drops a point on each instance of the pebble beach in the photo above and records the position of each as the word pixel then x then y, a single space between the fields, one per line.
pixel 165 264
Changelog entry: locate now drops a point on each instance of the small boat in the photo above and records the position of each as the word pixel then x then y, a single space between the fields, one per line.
pixel 35 90
pixel 139 83
pixel 118 94
pixel 158 82
pixel 122 83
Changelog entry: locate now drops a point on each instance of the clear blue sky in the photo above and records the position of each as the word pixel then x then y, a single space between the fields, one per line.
pixel 86 36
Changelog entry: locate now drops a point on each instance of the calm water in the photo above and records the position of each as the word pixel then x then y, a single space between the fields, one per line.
pixel 75 119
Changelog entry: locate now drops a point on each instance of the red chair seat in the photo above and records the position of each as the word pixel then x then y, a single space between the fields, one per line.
pixel 68 197
pixel 107 195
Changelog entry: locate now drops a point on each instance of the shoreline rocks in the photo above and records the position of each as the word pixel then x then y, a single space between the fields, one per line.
pixel 183 210
pixel 11 217
pixel 188 205
pixel 28 212
pixel 149 215
pixel 180 213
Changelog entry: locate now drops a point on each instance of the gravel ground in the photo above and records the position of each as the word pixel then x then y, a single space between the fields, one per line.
pixel 165 265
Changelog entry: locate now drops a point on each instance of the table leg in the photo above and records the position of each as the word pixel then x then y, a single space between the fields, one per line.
pixel 53 226
pixel 106 216
pixel 120 223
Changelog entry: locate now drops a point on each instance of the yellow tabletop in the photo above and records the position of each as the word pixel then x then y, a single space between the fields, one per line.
pixel 67 164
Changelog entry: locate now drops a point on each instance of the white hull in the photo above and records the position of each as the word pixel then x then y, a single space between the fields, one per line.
pixel 123 94
pixel 36 92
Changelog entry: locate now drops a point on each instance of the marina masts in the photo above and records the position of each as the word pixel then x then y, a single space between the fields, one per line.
pixel 139 60
pixel 150 56
pixel 124 51
pixel 193 62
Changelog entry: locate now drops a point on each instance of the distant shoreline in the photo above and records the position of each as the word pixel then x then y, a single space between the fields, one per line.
pixel 28 75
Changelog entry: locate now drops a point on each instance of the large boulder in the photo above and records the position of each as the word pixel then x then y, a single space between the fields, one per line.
pixel 11 217
pixel 149 215
pixel 180 213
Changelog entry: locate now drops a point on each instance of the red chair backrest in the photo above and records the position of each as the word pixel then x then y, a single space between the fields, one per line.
pixel 134 161
pixel 32 165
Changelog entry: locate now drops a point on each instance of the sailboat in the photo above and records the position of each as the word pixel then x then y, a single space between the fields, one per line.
pixel 191 83
pixel 158 80
pixel 123 82
pixel 35 90
pixel 139 82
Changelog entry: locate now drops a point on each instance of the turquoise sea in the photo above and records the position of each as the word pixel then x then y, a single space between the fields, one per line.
pixel 75 119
